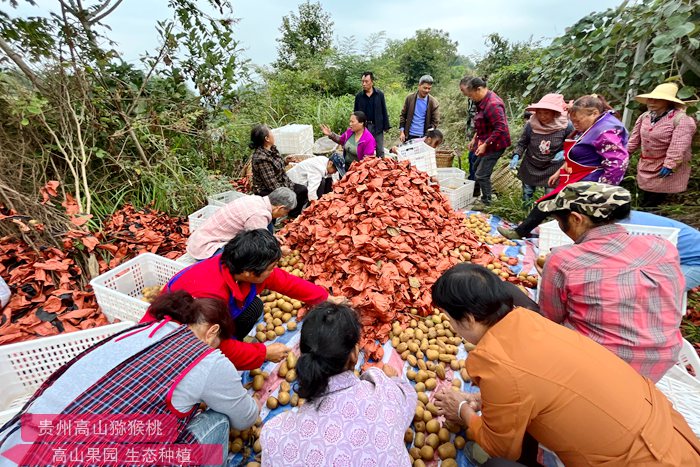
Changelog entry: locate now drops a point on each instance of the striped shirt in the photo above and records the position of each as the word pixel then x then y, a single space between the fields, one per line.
pixel 623 291
pixel 245 213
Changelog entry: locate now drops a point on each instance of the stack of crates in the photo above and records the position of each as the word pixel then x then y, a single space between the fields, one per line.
pixel 294 139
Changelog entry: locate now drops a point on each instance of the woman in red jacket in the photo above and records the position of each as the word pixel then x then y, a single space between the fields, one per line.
pixel 247 266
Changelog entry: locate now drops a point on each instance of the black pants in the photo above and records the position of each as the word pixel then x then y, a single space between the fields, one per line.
pixel 528 456
pixel 535 218
pixel 247 319
pixel 483 169
pixel 326 186
pixel 651 200
pixel 302 198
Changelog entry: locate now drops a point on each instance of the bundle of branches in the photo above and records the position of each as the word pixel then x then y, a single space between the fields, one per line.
pixel 382 238
pixel 130 232
pixel 49 293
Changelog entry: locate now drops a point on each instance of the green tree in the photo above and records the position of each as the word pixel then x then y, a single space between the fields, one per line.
pixel 507 65
pixel 429 51
pixel 623 49
pixel 306 37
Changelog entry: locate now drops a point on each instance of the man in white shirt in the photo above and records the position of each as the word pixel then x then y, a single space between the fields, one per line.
pixel 312 173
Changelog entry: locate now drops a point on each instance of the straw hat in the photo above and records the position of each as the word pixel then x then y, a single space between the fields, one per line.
pixel 552 101
pixel 664 92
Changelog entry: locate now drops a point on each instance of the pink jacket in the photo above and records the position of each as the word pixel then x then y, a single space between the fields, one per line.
pixel 667 143
pixel 367 146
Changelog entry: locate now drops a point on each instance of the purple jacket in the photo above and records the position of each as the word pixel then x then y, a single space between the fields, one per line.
pixel 365 147
pixel 603 145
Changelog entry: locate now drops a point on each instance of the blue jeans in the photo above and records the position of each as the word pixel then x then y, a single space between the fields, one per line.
pixel 472 166
pixel 211 427
pixel 692 276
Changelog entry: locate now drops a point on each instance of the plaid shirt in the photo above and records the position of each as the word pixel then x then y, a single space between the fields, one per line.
pixel 666 143
pixel 141 385
pixel 622 291
pixel 268 171
pixel 491 123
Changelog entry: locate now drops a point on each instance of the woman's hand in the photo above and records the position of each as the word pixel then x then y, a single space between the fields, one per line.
pixel 276 352
pixel 325 130
pixel 448 400
pixel 402 136
pixel 553 180
pixel 338 300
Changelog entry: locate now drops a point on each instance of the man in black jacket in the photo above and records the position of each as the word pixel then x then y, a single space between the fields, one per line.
pixel 371 101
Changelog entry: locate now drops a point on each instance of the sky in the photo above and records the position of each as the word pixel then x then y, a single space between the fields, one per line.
pixel 468 22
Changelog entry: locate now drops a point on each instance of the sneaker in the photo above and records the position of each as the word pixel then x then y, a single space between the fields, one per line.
pixel 510 234
pixel 479 205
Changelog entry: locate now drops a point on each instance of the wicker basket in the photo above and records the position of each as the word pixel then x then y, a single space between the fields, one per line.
pixel 444 157
pixel 503 180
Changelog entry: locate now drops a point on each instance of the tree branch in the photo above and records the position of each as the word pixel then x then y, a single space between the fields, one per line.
pixel 21 64
pixel 96 17
pixel 689 61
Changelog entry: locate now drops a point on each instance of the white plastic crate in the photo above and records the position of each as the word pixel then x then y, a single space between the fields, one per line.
pixel 684 393
pixel 294 139
pixel 26 365
pixel 459 192
pixel 450 172
pixel 222 199
pixel 420 155
pixel 551 235
pixel 118 292
pixel 689 357
pixel 198 218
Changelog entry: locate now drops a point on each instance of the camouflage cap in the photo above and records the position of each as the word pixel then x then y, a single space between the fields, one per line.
pixel 590 198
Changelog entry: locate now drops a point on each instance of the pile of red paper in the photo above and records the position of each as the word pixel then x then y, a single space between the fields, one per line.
pixel 49 289
pixel 381 239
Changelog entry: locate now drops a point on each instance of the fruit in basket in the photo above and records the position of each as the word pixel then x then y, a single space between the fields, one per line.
pixel 150 293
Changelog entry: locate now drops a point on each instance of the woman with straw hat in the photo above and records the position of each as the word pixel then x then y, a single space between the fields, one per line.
pixel 665 133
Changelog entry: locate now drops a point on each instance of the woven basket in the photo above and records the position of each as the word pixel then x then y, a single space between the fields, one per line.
pixel 444 157
pixel 503 180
